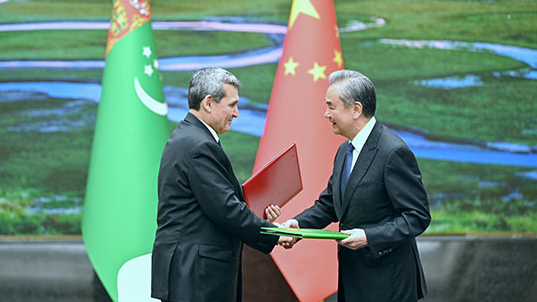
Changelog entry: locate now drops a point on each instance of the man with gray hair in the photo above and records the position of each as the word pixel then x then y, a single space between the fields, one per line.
pixel 377 196
pixel 202 217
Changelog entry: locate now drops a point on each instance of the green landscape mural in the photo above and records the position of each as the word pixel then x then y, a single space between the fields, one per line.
pixel 457 80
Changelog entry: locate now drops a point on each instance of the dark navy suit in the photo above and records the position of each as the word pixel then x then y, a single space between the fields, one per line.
pixel 385 197
pixel 202 221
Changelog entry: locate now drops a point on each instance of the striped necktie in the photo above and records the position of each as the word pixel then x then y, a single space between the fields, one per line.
pixel 346 168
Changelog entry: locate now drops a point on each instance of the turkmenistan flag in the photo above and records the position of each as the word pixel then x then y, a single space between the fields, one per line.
pixel 119 218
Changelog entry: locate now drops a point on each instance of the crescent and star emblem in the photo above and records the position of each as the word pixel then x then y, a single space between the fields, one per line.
pixel 153 105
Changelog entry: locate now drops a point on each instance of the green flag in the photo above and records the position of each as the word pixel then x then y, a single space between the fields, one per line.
pixel 119 217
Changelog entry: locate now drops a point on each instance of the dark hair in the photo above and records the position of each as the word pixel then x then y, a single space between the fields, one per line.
pixel 355 87
pixel 209 81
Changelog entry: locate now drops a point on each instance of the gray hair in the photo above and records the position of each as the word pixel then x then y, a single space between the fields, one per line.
pixel 355 87
pixel 209 81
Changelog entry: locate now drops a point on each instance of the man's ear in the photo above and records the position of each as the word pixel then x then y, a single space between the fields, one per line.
pixel 207 103
pixel 358 108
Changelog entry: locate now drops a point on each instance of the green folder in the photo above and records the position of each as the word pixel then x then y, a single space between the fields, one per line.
pixel 304 233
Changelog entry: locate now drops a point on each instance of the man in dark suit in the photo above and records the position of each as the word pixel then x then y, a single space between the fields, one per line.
pixel 202 217
pixel 376 194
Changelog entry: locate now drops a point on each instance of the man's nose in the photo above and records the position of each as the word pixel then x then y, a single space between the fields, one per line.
pixel 236 111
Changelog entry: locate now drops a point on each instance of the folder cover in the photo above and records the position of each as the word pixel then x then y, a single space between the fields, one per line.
pixel 304 233
pixel 276 183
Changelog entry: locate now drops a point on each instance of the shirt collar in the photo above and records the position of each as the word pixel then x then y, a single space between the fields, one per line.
pixel 216 138
pixel 359 140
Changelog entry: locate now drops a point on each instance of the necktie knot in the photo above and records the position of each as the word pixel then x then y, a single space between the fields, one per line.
pixel 350 148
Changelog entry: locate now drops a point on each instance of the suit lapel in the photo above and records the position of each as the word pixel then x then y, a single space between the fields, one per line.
pixel 190 118
pixel 362 165
pixel 338 168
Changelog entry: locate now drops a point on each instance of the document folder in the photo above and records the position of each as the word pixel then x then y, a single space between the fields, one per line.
pixel 304 233
pixel 274 184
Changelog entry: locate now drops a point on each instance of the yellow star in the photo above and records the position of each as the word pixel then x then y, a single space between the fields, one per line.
pixel 337 58
pixel 302 6
pixel 290 66
pixel 317 72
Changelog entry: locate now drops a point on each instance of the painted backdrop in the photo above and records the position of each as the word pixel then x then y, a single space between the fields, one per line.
pixel 456 80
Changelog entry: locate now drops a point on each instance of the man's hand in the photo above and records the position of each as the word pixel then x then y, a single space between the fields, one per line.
pixel 272 212
pixel 288 242
pixel 291 223
pixel 356 240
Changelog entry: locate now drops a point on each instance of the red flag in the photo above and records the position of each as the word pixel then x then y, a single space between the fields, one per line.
pixel 311 51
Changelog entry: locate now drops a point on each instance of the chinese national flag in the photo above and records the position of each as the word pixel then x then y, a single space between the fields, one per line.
pixel 311 51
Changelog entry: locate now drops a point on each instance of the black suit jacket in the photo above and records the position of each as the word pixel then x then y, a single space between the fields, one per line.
pixel 385 197
pixel 202 221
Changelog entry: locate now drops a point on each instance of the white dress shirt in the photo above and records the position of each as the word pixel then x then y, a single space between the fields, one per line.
pixel 359 140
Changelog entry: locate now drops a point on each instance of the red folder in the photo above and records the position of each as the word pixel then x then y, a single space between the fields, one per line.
pixel 276 183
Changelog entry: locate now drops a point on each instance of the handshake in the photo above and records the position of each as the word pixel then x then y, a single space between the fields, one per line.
pixel 284 241
pixel 272 212
pixel 356 238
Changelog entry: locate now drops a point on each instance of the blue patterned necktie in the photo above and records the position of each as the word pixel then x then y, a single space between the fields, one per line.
pixel 346 168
